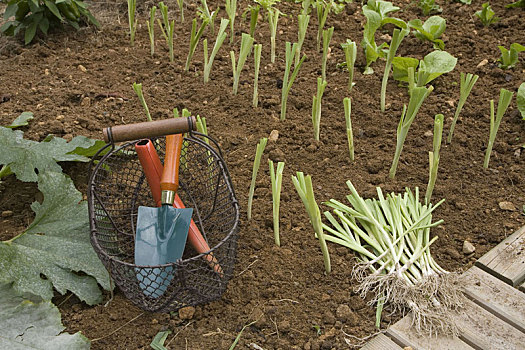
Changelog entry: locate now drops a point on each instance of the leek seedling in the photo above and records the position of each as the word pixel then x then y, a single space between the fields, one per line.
pixel 316 107
pixel 350 49
pixel 466 84
pixel 244 52
pixel 254 15
pixel 151 29
pixel 327 36
pixel 181 9
pixel 433 157
pixel 256 163
pixel 322 9
pixel 140 95
pixel 273 18
pixel 391 237
pixel 208 61
pixel 505 96
pixel 257 58
pixel 397 37
pixel 287 80
pixel 205 14
pixel 276 177
pixel 132 4
pixel 231 9
pixel 303 20
pixel 304 188
pixel 194 40
pixel 417 96
pixel 347 102
pixel 167 28
pixel 202 127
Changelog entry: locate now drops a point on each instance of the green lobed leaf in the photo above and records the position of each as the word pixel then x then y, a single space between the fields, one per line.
pixel 56 246
pixel 437 63
pixel 33 324
pixel 24 156
pixel 21 120
pixel 520 100
pixel 401 65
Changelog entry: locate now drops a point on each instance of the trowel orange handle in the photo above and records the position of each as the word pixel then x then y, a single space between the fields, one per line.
pixel 152 166
pixel 169 180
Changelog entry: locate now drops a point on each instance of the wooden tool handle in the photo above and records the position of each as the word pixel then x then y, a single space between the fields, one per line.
pixel 170 176
pixel 137 131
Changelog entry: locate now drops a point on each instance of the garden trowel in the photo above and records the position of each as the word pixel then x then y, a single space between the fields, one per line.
pixel 162 232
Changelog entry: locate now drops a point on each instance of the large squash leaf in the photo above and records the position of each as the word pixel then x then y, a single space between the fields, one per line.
pixel 55 246
pixel 23 156
pixel 33 325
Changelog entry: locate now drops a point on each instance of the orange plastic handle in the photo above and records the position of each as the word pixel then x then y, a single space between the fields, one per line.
pixel 153 169
pixel 169 180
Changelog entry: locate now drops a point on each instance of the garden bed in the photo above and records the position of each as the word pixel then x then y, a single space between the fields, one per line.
pixel 76 83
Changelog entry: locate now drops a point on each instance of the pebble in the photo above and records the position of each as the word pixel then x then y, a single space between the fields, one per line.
pixel 82 68
pixel 7 213
pixel 468 248
pixel 482 63
pixel 274 135
pixel 86 102
pixel 186 313
pixel 508 206
pixel 428 133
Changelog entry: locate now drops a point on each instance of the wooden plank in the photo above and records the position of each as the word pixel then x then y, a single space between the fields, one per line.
pixel 381 342
pixel 498 298
pixel 482 330
pixel 507 260
pixel 402 333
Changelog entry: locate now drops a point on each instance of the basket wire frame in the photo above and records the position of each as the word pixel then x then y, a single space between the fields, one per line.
pixel 117 187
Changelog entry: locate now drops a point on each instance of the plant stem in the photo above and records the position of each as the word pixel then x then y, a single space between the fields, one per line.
pixel 254 15
pixel 322 9
pixel 257 58
pixel 231 8
pixel 151 29
pixel 256 163
pixel 327 36
pixel 181 9
pixel 303 20
pixel 350 50
pixel 194 40
pixel 132 21
pixel 273 18
pixel 221 36
pixel 397 38
pixel 246 48
pixel 505 97
pixel 417 96
pixel 347 102
pixel 466 84
pixel 287 80
pixel 433 156
pixel 140 95
pixel 276 180
pixel 304 188
pixel 316 107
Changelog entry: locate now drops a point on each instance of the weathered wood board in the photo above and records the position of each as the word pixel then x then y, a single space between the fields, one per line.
pixel 381 342
pixel 498 298
pixel 402 333
pixel 507 260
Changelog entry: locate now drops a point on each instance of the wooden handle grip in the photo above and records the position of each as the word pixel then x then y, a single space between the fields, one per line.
pixel 137 131
pixel 170 176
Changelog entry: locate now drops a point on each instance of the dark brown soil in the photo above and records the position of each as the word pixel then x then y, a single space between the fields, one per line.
pixel 296 305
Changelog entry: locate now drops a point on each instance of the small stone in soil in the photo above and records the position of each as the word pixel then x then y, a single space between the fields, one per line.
pixel 508 206
pixel 186 313
pixel 468 248
pixel 7 213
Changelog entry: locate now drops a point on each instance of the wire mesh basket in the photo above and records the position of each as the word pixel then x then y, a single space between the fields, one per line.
pixel 117 187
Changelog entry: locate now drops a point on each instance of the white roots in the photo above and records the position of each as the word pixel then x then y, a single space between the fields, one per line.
pixel 432 301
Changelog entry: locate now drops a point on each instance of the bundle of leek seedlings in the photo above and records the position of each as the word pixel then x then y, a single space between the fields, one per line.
pixel 391 237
